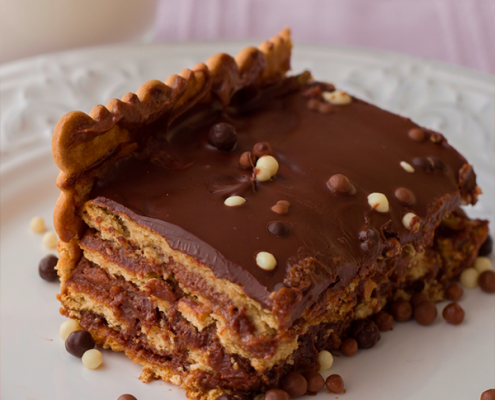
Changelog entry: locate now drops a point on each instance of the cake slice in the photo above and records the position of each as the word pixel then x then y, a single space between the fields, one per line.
pixel 224 227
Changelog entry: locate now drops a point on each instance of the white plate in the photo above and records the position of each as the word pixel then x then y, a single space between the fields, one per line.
pixel 411 363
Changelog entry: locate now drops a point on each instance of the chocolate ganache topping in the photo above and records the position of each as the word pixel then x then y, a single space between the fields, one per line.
pixel 328 165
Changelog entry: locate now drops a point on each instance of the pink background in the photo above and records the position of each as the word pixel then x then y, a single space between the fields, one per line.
pixel 456 31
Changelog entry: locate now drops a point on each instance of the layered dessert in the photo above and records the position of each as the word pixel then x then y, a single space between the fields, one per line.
pixel 225 226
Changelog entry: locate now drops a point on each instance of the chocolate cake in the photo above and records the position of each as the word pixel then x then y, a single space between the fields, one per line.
pixel 224 227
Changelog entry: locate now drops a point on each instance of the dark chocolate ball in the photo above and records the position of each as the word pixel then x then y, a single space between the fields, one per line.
pixel 79 342
pixel 487 247
pixel 262 149
pixel 315 381
pixel 223 136
pixel 47 269
pixel 278 228
pixel 295 384
pixel 366 333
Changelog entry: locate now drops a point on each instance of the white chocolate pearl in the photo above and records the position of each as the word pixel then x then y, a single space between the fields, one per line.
pixel 266 261
pixel 37 225
pixel 50 240
pixel 69 326
pixel 407 220
pixel 379 202
pixel 482 264
pixel 325 359
pixel 234 201
pixel 337 98
pixel 268 162
pixel 407 167
pixel 263 174
pixel 469 278
pixel 92 359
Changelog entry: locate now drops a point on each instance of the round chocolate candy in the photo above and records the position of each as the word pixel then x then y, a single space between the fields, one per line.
pixel 486 281
pixel 246 159
pixel 315 381
pixel 384 321
pixel 335 383
pixel 262 149
pixel 425 313
pixel 47 269
pixel 278 228
pixel 423 162
pixel 127 397
pixel 405 196
pixel 417 134
pixel 339 183
pixel 223 136
pixel 349 347
pixel 366 333
pixel 295 384
pixel 277 394
pixel 487 247
pixel 436 163
pixel 418 298
pixel 454 291
pixel 453 313
pixel 79 342
pixel 401 310
pixel 488 395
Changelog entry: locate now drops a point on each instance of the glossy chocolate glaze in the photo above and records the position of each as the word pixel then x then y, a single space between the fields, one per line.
pixel 178 185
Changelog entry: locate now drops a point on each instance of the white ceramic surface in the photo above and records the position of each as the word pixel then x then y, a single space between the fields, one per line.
pixel 409 363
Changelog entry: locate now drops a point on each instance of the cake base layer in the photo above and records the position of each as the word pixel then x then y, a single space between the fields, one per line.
pixel 184 329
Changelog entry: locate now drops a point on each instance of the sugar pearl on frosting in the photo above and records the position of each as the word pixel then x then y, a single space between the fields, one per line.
pixel 482 264
pixel 262 174
pixel 379 202
pixel 37 225
pixel 407 167
pixel 68 327
pixel 469 278
pixel 337 98
pixel 410 221
pixel 92 359
pixel 268 162
pixel 50 240
pixel 234 201
pixel 325 359
pixel 266 261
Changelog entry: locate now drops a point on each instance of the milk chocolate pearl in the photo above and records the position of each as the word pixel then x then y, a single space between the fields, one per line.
pixel 245 160
pixel 295 384
pixel 262 149
pixel 276 394
pixel 453 313
pixel 401 310
pixel 487 247
pixel 335 383
pixel 131 397
pixel 417 134
pixel 339 183
pixel 47 269
pixel 488 395
pixel 349 347
pixel 278 228
pixel 405 196
pixel 486 281
pixel 223 136
pixel 315 381
pixel 418 298
pixel 425 313
pixel 436 163
pixel 384 321
pixel 79 342
pixel 422 162
pixel 454 291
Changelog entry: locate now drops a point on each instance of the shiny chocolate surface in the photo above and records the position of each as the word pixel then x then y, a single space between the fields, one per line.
pixel 178 184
